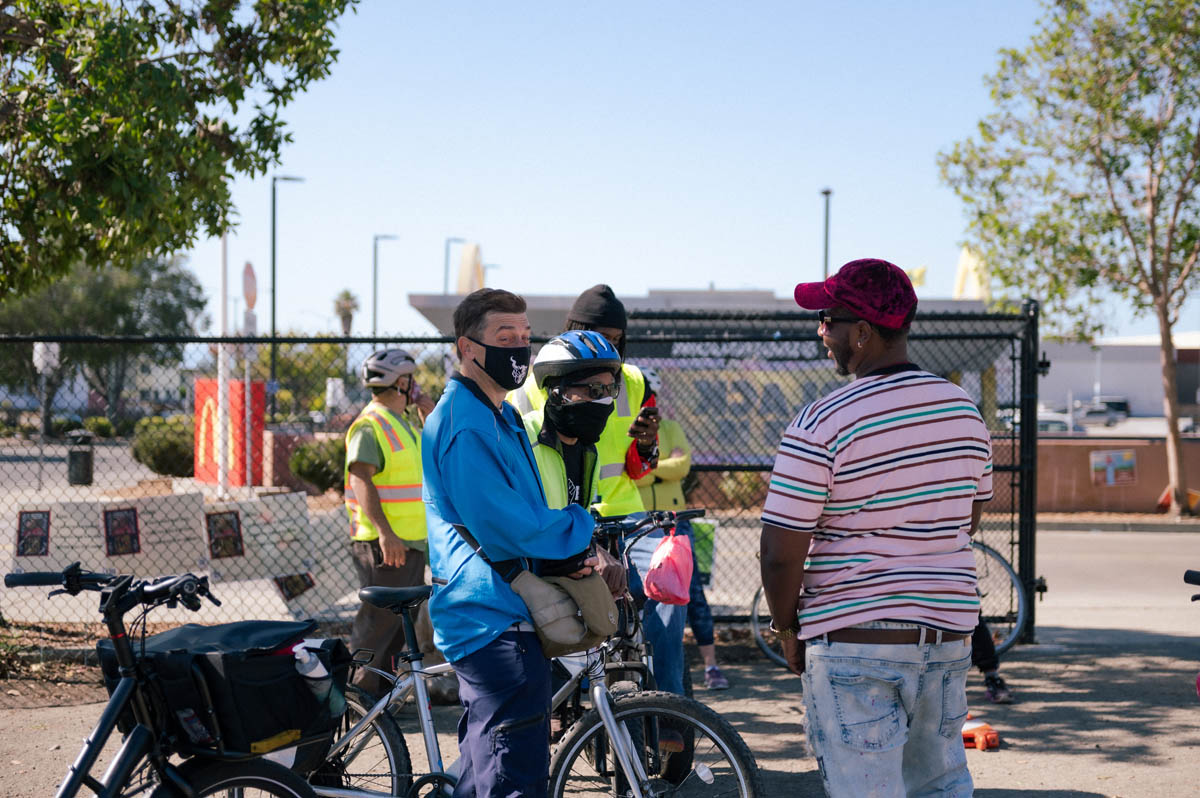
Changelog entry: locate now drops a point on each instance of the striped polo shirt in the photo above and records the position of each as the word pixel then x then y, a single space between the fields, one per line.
pixel 884 472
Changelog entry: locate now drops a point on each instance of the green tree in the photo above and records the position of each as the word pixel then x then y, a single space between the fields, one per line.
pixel 1081 185
pixel 157 297
pixel 345 305
pixel 116 132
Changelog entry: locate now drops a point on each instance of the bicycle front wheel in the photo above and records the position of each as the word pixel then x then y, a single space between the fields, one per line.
pixel 250 778
pixel 760 622
pixel 1001 598
pixel 684 748
pixel 376 760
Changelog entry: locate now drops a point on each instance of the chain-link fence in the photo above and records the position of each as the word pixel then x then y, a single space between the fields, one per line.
pixel 112 453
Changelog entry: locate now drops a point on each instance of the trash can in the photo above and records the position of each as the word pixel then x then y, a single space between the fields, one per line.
pixel 80 456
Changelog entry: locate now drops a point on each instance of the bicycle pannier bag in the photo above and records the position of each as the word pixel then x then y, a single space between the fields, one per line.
pixel 235 687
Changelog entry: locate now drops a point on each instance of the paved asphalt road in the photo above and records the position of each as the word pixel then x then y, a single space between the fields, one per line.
pixel 1107 702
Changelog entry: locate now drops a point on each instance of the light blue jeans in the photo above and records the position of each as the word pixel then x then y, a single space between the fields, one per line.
pixel 662 624
pixel 885 721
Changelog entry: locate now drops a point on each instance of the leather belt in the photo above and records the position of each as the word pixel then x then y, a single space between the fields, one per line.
pixel 892 636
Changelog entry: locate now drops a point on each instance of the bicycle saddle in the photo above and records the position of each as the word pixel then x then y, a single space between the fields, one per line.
pixel 394 598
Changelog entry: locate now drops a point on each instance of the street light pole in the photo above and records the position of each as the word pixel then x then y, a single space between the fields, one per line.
pixel 375 277
pixel 446 264
pixel 275 179
pixel 826 192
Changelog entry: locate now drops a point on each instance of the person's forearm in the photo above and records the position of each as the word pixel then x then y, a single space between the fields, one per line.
pixel 782 553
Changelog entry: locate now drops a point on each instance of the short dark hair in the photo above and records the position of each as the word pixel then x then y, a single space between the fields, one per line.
pixel 889 335
pixel 470 317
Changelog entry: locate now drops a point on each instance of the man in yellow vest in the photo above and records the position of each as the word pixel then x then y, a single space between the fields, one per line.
pixel 621 461
pixel 383 499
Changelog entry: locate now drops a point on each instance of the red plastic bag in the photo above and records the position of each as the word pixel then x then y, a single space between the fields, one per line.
pixel 669 579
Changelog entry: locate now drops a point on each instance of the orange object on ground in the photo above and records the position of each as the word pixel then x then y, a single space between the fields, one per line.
pixel 979 735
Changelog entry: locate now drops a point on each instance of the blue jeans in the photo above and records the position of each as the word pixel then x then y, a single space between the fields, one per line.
pixel 662 624
pixel 699 616
pixel 885 721
pixel 504 734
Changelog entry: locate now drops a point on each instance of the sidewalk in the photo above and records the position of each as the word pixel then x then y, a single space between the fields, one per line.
pixel 1115 522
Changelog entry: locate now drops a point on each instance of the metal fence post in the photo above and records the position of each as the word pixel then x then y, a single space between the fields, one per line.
pixel 1027 506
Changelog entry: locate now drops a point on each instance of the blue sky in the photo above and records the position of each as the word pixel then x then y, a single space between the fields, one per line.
pixel 647 145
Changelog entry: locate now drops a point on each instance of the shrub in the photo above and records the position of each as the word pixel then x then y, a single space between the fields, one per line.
pixel 60 425
pixel 28 430
pixel 99 426
pixel 320 462
pixel 165 445
pixel 744 488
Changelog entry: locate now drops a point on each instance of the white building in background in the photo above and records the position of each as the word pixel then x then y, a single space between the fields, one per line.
pixel 1128 366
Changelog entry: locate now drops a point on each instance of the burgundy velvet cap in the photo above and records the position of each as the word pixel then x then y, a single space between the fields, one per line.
pixel 878 291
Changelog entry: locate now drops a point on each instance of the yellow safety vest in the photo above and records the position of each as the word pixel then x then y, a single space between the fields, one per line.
pixel 398 482
pixel 552 468
pixel 618 493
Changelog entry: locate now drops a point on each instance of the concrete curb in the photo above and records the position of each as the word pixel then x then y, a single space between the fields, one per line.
pixel 1118 526
pixel 77 656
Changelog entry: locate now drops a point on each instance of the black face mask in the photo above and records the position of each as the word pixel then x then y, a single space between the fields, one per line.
pixel 507 365
pixel 582 420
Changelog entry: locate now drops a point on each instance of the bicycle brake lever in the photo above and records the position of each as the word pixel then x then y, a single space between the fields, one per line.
pixel 60 591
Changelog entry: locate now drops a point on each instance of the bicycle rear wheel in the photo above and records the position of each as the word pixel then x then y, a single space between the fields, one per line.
pixel 1001 598
pixel 714 760
pixel 760 621
pixel 251 778
pixel 376 760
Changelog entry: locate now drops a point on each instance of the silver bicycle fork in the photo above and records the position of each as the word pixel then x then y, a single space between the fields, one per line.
pixel 621 741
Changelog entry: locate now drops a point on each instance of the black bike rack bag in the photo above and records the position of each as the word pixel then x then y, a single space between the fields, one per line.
pixel 233 689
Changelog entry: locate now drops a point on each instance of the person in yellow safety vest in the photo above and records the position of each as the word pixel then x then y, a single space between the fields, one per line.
pixel 662 489
pixel 578 372
pixel 383 501
pixel 621 460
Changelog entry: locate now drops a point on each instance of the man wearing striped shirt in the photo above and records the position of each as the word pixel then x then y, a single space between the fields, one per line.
pixel 866 558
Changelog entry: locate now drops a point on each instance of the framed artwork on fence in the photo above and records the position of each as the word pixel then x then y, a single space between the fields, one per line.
pixel 33 533
pixel 121 532
pixel 293 585
pixel 224 534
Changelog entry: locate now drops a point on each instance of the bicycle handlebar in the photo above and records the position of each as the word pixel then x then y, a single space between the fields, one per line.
pixel 609 526
pixel 187 589
pixel 33 579
pixel 1191 577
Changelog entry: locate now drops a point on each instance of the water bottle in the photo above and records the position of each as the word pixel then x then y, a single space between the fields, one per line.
pixel 315 674
pixel 317 677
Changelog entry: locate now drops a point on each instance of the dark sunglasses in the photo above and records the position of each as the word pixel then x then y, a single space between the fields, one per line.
pixel 595 390
pixel 826 318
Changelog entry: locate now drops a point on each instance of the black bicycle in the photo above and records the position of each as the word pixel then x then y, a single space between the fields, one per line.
pixel 143 763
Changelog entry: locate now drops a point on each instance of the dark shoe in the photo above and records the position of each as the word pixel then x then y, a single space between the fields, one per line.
pixel 997 690
pixel 714 679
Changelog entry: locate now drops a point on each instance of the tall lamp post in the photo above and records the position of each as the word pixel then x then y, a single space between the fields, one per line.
pixel 446 264
pixel 275 179
pixel 375 276
pixel 826 192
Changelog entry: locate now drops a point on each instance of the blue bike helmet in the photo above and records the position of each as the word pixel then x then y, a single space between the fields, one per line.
pixel 575 351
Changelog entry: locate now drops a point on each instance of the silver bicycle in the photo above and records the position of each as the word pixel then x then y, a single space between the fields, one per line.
pixel 616 743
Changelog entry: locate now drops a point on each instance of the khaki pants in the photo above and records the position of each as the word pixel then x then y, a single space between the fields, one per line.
pixel 382 631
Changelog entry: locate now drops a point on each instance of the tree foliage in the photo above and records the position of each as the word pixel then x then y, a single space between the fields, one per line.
pixel 1082 184
pixel 1083 181
pixel 156 297
pixel 122 122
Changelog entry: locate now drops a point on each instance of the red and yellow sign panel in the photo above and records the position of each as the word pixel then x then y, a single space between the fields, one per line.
pixel 205 462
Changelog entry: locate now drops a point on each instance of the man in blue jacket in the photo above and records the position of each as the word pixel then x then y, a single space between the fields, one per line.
pixel 481 478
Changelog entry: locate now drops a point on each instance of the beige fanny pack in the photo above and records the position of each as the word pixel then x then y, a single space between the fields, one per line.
pixel 569 615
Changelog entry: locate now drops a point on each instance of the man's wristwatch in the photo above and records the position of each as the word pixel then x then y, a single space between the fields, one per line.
pixel 783 634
